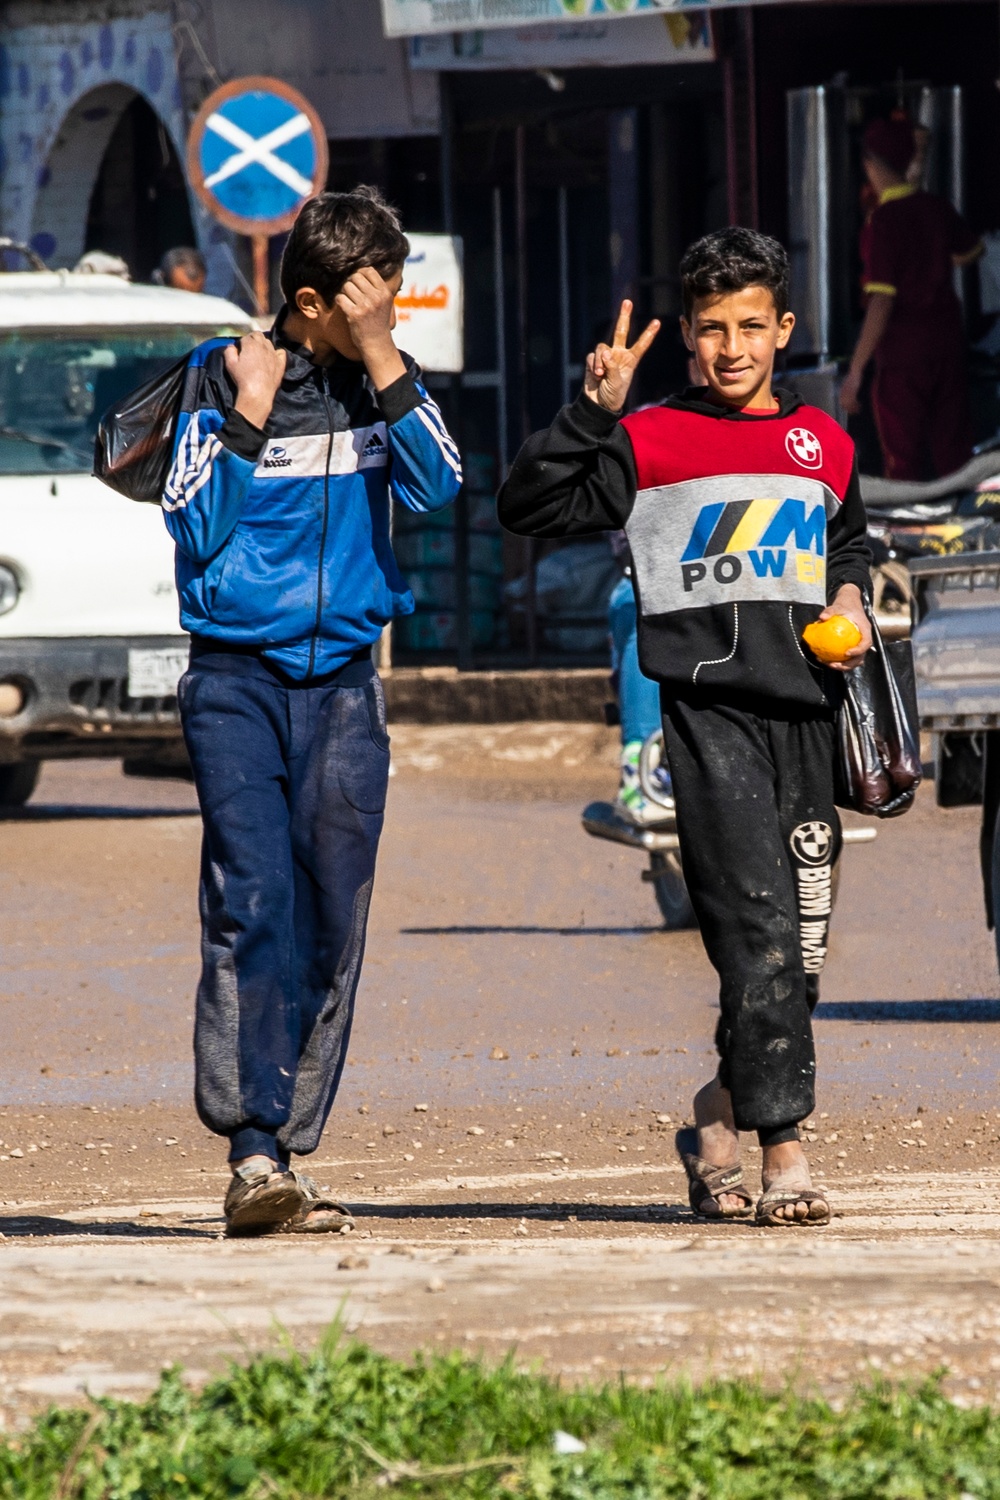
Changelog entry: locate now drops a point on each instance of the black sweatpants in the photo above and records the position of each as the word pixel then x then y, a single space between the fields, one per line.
pixel 759 836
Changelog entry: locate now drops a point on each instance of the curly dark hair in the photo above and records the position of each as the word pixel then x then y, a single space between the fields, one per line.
pixel 335 235
pixel 728 260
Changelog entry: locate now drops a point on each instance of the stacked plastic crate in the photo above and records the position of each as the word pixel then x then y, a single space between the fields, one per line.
pixel 425 549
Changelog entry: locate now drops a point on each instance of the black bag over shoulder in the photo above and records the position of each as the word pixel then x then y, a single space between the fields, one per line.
pixel 135 438
pixel 878 732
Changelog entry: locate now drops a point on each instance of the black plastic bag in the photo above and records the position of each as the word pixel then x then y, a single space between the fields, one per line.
pixel 878 732
pixel 135 438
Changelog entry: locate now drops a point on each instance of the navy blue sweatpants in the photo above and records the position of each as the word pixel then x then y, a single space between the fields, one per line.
pixel 292 780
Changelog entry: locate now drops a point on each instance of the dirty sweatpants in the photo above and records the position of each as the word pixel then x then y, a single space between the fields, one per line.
pixel 292 781
pixel 759 835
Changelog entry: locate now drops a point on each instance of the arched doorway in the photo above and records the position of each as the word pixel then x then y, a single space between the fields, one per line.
pixel 114 182
pixel 139 206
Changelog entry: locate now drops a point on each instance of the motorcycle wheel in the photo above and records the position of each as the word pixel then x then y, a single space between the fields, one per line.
pixel 667 879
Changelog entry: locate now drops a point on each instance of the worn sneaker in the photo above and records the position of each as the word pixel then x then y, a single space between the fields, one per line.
pixel 260 1197
pixel 632 804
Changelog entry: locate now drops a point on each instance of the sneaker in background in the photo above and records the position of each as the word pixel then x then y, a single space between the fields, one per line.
pixel 632 804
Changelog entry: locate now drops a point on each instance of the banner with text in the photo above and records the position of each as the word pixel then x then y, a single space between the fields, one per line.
pixel 429 302
pixel 424 17
pixel 672 37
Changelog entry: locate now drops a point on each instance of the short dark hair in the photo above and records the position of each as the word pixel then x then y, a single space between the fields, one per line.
pixel 729 260
pixel 183 258
pixel 335 235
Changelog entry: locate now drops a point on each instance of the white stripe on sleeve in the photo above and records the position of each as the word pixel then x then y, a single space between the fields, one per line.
pixel 449 452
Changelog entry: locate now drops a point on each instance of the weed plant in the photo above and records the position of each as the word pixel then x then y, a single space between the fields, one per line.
pixel 346 1421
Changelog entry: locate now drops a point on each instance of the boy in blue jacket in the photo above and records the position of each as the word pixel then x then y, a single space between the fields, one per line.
pixel 287 450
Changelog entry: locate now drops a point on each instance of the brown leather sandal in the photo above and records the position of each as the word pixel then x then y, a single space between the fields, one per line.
pixel 707 1184
pixel 819 1208
pixel 318 1213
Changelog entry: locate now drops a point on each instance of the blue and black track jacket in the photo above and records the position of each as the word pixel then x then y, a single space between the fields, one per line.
pixel 283 534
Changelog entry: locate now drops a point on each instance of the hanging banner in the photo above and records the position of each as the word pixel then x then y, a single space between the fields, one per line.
pixel 429 303
pixel 672 37
pixel 424 17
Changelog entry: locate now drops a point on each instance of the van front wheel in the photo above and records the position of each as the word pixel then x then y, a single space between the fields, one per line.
pixel 18 782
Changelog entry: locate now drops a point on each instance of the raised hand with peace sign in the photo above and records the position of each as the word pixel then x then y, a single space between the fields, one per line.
pixel 611 367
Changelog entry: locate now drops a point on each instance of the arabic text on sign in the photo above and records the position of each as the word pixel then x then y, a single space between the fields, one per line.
pixel 436 300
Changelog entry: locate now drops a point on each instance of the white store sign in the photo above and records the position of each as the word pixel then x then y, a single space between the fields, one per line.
pixel 423 17
pixel 429 303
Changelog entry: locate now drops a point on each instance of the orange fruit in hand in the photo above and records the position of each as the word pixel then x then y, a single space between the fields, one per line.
pixel 830 640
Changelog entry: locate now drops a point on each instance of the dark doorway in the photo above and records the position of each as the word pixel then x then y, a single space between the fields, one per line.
pixel 139 206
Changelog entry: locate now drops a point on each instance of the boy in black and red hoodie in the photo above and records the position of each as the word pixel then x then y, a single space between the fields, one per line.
pixel 744 516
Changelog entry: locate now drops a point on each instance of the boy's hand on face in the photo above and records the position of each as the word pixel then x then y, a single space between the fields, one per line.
pixel 257 369
pixel 611 367
pixel 368 305
pixel 847 601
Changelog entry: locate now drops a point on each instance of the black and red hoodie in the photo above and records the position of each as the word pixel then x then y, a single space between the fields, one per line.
pixel 742 526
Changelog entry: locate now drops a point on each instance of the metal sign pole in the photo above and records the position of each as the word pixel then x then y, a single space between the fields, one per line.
pixel 260 244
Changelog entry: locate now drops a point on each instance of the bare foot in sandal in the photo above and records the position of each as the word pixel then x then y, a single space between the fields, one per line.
pixel 789 1196
pixel 718 1140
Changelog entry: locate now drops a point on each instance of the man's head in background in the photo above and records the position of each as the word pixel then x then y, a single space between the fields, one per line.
pixel 184 269
pixel 888 148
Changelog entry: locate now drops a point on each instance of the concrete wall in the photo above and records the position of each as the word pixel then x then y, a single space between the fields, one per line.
pixel 334 51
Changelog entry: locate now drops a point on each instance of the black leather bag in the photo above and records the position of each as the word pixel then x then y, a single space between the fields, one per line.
pixel 878 732
pixel 134 443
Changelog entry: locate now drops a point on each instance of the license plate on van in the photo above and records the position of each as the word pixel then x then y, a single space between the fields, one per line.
pixel 156 673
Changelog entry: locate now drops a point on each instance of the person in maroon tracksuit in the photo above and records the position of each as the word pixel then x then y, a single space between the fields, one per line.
pixel 913 319
pixel 745 523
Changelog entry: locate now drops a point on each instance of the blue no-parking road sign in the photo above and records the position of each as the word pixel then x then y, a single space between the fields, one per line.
pixel 257 150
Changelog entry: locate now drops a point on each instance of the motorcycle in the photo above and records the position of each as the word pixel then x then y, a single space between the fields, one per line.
pixel 939 530
pixel 935 518
pixel 659 840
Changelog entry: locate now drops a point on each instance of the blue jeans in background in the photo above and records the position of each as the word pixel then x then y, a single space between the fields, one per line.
pixel 638 696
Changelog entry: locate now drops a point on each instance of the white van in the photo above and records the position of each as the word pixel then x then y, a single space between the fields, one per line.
pixel 90 644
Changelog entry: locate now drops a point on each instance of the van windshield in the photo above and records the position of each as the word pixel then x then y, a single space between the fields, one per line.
pixel 55 387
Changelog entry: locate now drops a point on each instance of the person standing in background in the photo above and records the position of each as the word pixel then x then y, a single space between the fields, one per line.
pixel 913 318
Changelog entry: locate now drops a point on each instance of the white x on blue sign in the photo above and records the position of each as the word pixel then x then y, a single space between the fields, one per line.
pixel 257 155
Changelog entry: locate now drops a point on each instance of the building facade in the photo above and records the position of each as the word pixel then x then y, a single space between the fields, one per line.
pixel 575 161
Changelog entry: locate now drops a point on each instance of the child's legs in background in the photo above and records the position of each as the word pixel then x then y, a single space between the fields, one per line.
pixel 638 697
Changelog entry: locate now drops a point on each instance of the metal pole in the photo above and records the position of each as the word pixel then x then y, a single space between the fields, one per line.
pixel 564 293
pixel 521 203
pixel 463 623
pixel 261 273
pixel 500 314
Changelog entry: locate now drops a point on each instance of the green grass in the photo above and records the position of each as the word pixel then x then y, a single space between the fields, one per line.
pixel 348 1422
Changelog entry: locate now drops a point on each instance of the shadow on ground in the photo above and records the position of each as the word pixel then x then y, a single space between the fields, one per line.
pixel 908 1010
pixel 41 1226
pixel 525 931
pixel 566 1213
pixel 74 813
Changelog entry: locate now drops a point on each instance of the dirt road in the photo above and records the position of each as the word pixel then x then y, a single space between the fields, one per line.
pixel 526 1201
